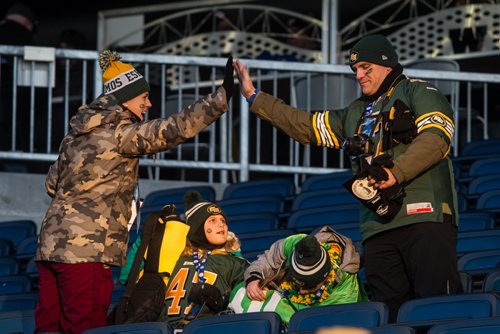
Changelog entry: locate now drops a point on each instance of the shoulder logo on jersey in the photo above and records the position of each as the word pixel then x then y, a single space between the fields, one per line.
pixel 438 119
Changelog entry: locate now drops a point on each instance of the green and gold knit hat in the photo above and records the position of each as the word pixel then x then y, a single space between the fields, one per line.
pixel 121 80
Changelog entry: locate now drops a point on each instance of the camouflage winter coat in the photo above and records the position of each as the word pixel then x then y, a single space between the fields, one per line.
pixel 93 180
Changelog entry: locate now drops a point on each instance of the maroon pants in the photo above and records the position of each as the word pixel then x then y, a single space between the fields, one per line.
pixel 72 297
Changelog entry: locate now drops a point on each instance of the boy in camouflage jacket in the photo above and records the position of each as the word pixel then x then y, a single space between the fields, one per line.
pixel 92 186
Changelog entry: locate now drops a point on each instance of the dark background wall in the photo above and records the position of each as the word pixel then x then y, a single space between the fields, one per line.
pixel 82 15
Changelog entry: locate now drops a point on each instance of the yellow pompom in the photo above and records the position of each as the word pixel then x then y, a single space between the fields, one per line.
pixel 107 57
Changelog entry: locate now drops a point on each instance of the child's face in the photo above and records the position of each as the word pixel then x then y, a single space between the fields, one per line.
pixel 216 230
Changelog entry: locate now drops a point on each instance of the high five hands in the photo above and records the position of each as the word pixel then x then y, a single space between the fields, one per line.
pixel 246 86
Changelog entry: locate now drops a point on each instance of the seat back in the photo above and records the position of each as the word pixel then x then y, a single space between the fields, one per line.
pixel 261 241
pixel 469 326
pixel 485 167
pixel 18 321
pixel 245 323
pixel 466 280
pixel 18 301
pixel 14 284
pixel 472 305
pixel 482 184
pixel 480 262
pixel 308 219
pixel 6 247
pixel 257 222
pixel 323 198
pixel 489 201
pixel 475 221
pixel 492 282
pixel 136 328
pixel 254 188
pixel 325 181
pixel 249 205
pixel 27 247
pixel 363 314
pixel 481 147
pixel 476 241
pixel 8 266
pixel 17 230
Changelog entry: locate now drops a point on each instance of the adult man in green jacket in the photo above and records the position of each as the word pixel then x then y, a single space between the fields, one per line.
pixel 399 134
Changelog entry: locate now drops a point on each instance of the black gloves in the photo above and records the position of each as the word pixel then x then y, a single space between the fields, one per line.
pixel 385 203
pixel 169 212
pixel 376 169
pixel 206 293
pixel 228 82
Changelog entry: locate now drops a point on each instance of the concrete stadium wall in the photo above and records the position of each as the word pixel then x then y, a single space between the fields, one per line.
pixel 22 196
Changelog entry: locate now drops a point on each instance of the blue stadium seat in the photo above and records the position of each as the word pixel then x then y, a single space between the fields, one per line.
pixel 6 247
pixel 325 181
pixel 246 323
pixel 260 241
pixel 466 280
pixel 492 282
pixel 476 241
pixel 118 291
pixel 254 188
pixel 391 329
pixel 19 301
pixel 176 195
pixel 20 321
pixel 137 328
pixel 484 148
pixel 308 219
pixel 14 284
pixel 426 312
pixel 489 201
pixel 323 198
pixel 475 221
pixel 31 269
pixel 256 222
pixel 469 326
pixel 482 184
pixel 480 263
pixel 27 248
pixel 484 167
pixel 17 230
pixel 260 204
pixel 8 266
pixel 350 230
pixel 363 314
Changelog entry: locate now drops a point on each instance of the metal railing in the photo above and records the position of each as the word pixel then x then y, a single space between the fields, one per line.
pixel 236 147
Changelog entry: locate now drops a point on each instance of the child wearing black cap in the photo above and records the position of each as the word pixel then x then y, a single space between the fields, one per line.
pixel 303 271
pixel 208 268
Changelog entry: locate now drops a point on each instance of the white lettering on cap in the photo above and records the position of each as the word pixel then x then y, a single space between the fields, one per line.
pixel 124 79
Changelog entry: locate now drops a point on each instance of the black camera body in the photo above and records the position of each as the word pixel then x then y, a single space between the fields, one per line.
pixel 359 144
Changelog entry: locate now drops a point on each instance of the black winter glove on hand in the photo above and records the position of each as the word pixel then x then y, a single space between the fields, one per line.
pixel 228 82
pixel 206 293
pixel 376 169
pixel 169 212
